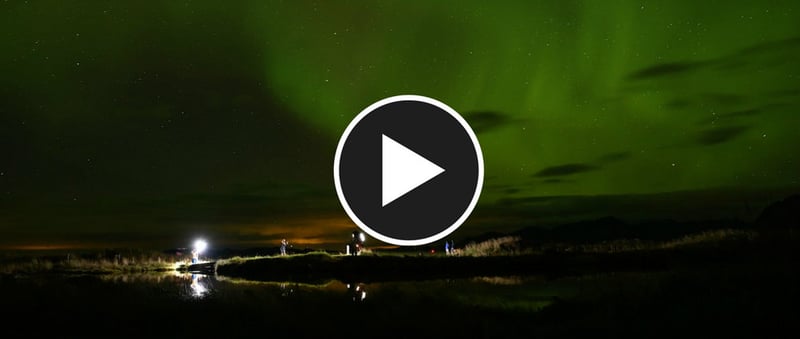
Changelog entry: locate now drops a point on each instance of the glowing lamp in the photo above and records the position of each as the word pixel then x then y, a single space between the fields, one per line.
pixel 200 245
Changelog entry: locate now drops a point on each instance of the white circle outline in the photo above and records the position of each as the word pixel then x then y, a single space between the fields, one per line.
pixel 346 134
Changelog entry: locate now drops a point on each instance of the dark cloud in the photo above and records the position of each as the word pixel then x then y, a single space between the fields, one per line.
pixel 552 174
pixel 664 69
pixel 718 135
pixel 564 170
pixel 483 121
pixel 773 52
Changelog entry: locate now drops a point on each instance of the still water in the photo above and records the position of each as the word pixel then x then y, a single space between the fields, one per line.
pixel 528 294
pixel 179 305
pixel 184 303
pixel 524 293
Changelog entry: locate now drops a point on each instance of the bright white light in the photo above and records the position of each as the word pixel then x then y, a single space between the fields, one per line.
pixel 200 245
pixel 361 236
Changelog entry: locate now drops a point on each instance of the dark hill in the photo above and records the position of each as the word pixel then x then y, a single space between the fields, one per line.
pixel 610 228
pixel 784 214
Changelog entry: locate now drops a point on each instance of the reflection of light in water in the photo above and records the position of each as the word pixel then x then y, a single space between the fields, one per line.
pixel 198 288
pixel 357 291
pixel 285 290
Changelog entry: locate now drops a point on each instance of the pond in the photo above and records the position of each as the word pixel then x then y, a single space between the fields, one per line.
pixel 194 303
pixel 181 304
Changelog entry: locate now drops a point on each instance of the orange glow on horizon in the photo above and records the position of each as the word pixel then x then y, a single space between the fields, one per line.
pixel 303 231
pixel 44 247
pixel 314 231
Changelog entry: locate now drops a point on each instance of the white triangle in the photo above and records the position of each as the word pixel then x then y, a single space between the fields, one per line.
pixel 403 170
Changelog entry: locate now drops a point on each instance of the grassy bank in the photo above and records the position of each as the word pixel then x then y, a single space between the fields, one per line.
pixel 501 256
pixel 130 261
pixel 717 248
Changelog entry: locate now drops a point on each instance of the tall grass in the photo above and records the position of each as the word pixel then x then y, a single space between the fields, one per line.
pixel 714 237
pixel 509 245
pixel 106 262
pixel 704 239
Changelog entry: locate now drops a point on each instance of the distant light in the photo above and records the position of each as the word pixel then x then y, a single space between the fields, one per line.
pixel 200 245
pixel 361 236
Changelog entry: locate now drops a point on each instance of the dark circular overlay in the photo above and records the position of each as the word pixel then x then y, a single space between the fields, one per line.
pixel 432 210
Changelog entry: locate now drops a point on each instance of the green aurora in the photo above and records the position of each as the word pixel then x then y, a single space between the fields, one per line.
pixel 146 123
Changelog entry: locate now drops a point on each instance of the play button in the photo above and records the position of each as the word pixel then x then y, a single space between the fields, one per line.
pixel 408 170
pixel 403 170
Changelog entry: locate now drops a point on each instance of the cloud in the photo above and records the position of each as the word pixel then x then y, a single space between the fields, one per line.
pixel 564 170
pixel 484 121
pixel 552 174
pixel 719 135
pixel 665 69
pixel 773 52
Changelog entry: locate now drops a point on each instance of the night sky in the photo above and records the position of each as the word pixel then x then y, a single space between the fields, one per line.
pixel 147 124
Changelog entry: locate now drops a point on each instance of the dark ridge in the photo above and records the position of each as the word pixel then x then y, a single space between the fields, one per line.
pixel 784 214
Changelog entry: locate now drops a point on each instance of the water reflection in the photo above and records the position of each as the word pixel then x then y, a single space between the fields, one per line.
pixel 195 285
pixel 198 287
pixel 286 289
pixel 357 291
pixel 508 293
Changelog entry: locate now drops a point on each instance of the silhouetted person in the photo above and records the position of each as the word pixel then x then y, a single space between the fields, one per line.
pixel 356 242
